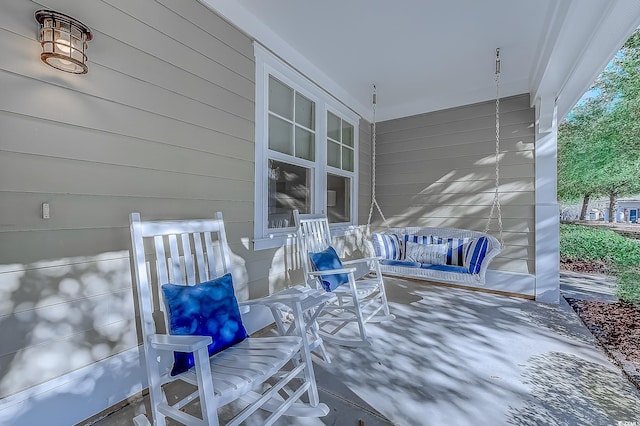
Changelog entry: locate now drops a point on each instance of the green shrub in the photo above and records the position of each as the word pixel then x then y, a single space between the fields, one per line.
pixel 579 242
pixel 620 254
pixel 628 286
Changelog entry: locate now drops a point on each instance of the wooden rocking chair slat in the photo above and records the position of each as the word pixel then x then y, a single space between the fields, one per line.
pixel 190 266
pixel 199 254
pixel 175 264
pixel 161 260
pixel 211 261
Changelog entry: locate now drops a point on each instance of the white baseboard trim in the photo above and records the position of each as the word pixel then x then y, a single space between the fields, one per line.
pixel 510 282
pixel 76 396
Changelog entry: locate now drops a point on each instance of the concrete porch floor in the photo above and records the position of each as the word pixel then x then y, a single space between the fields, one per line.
pixel 458 357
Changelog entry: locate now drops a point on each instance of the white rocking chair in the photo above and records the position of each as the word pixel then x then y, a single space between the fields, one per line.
pixel 271 373
pixel 362 299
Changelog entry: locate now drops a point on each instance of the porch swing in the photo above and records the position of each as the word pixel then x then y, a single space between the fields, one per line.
pixel 447 255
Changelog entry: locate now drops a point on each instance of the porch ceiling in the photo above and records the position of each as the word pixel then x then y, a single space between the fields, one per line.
pixel 430 55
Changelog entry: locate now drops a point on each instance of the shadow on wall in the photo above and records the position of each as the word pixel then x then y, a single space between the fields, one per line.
pixel 462 198
pixel 57 319
pixel 63 315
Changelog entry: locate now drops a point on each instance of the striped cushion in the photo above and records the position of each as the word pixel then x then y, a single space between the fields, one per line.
pixel 445 268
pixel 387 246
pixel 418 239
pixel 403 263
pixel 475 250
pixel 455 249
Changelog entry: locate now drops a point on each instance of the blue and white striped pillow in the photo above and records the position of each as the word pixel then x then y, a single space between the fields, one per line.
pixel 418 239
pixel 387 246
pixel 475 250
pixel 455 249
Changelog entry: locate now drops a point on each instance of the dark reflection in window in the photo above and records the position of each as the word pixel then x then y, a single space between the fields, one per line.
pixel 338 198
pixel 289 189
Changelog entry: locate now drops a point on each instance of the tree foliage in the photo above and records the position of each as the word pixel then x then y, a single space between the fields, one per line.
pixel 597 143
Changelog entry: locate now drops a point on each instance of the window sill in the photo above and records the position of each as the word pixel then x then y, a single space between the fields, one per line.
pixel 274 241
pixel 288 238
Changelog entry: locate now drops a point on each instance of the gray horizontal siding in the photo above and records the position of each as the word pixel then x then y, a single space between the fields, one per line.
pixel 162 124
pixel 438 169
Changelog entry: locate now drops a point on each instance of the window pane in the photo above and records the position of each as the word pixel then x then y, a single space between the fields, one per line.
pixel 333 154
pixel 304 144
pixel 333 127
pixel 280 135
pixel 338 198
pixel 347 159
pixel 280 98
pixel 305 112
pixel 347 134
pixel 289 189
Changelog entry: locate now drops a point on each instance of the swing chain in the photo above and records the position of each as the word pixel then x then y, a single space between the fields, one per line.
pixel 374 202
pixel 496 197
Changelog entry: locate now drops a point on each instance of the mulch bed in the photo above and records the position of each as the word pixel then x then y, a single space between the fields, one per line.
pixel 583 266
pixel 616 326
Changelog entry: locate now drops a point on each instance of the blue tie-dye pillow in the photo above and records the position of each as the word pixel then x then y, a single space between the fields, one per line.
pixel 326 260
pixel 206 309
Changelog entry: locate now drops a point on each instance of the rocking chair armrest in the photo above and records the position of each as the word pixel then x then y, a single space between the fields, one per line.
pixel 169 342
pixel 274 299
pixel 332 271
pixel 363 260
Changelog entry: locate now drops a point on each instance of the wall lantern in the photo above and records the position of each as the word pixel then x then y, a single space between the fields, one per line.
pixel 64 41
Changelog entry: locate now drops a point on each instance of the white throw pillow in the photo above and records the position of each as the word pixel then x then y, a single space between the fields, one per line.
pixel 435 254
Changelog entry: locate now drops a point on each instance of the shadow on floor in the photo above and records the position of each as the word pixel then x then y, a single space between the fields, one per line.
pixel 458 357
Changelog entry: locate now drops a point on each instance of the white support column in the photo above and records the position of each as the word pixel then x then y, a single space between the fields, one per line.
pixel 547 219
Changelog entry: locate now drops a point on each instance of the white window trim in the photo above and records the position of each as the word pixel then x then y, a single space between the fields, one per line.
pixel 268 64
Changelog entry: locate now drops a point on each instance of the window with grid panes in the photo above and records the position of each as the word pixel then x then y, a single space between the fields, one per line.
pixel 340 155
pixel 305 152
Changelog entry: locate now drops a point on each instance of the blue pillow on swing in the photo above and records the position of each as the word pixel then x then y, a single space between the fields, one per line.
pixel 326 260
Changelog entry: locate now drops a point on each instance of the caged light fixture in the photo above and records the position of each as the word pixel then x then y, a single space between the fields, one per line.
pixel 64 41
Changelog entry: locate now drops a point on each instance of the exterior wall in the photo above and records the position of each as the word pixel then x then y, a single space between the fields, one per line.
pixel 162 124
pixel 625 211
pixel 437 169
